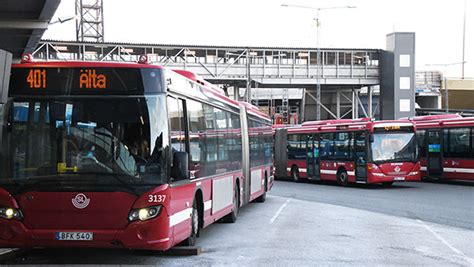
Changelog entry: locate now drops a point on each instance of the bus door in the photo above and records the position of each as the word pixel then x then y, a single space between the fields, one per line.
pixel 360 155
pixel 434 155
pixel 312 153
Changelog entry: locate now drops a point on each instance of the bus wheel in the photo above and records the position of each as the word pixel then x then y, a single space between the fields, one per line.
pixel 232 217
pixel 387 184
pixel 263 197
pixel 343 178
pixel 191 241
pixel 295 174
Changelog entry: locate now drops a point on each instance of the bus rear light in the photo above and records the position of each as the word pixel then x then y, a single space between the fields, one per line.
pixel 144 59
pixel 10 213
pixel 26 58
pixel 144 214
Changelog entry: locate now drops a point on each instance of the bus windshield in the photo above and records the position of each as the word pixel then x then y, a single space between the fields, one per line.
pixel 102 141
pixel 394 147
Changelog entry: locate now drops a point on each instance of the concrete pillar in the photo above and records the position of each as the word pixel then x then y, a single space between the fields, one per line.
pixel 5 68
pixel 397 88
pixel 369 102
pixel 236 92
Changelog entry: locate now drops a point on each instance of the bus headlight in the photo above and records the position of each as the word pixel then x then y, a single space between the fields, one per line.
pixel 144 214
pixel 10 213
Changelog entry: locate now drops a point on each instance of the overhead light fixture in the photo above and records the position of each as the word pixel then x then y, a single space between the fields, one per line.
pixel 61 48
pixel 126 50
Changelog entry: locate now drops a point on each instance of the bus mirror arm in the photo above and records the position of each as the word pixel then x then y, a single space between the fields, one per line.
pixel 180 169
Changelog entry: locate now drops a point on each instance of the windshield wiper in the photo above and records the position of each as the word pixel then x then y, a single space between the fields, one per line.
pixel 33 182
pixel 115 176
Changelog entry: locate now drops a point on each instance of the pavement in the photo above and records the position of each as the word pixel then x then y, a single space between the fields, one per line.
pixel 450 203
pixel 288 231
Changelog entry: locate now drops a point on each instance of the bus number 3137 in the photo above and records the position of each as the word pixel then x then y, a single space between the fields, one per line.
pixel 156 198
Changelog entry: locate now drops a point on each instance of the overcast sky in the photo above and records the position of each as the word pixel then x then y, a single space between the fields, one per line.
pixel 438 25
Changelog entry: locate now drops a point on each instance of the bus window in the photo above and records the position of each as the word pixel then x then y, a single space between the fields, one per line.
pixel 360 148
pixel 420 135
pixel 327 145
pixel 293 145
pixel 175 110
pixel 341 148
pixel 459 143
pixel 196 142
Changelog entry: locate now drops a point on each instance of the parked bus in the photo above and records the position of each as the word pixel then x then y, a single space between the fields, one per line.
pixel 446 146
pixel 350 151
pixel 124 156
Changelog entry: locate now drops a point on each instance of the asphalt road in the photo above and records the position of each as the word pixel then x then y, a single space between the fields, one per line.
pixel 450 203
pixel 306 224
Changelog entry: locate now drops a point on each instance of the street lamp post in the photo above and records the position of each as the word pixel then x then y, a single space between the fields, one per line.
pixel 318 50
pixel 464 39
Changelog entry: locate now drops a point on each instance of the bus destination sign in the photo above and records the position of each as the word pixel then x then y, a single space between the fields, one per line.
pixel 91 80
pixel 88 79
pixel 84 81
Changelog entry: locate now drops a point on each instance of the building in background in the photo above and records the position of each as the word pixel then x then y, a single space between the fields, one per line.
pixel 460 93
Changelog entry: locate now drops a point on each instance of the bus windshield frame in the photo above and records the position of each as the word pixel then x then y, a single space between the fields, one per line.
pixel 401 147
pixel 99 143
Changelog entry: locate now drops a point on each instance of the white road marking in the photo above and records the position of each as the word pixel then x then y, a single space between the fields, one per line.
pixel 455 250
pixel 279 211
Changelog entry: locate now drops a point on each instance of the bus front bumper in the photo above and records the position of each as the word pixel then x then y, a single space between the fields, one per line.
pixel 137 235
pixel 383 178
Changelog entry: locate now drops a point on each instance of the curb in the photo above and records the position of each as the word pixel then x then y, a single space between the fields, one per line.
pixel 6 254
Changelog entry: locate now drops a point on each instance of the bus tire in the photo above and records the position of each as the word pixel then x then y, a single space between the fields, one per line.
pixel 232 217
pixel 263 197
pixel 342 178
pixel 191 240
pixel 387 184
pixel 295 175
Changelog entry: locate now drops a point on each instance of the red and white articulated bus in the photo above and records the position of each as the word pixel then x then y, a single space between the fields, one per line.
pixel 446 146
pixel 124 156
pixel 349 151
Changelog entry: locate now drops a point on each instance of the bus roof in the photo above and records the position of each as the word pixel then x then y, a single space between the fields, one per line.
pixel 434 117
pixel 350 125
pixel 211 87
pixel 446 123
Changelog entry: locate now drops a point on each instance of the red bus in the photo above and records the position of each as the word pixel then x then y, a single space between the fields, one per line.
pixel 446 146
pixel 349 151
pixel 124 156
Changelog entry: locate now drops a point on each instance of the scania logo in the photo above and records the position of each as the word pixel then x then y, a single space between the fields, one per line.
pixel 80 201
pixel 397 169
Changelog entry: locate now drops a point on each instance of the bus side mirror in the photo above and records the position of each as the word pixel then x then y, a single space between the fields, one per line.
pixel 180 169
pixel 371 138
